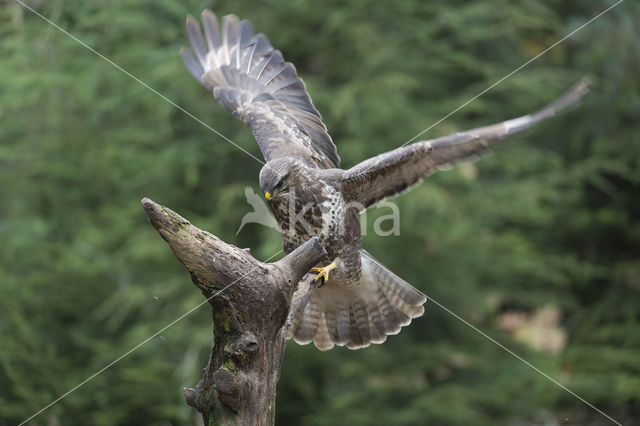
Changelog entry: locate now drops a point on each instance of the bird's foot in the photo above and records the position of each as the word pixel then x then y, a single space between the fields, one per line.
pixel 323 273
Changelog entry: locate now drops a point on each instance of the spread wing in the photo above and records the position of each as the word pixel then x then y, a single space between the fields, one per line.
pixel 396 171
pixel 251 79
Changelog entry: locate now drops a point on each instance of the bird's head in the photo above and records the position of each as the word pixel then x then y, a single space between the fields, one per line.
pixel 275 178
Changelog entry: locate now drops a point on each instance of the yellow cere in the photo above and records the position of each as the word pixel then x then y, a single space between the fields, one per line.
pixel 267 195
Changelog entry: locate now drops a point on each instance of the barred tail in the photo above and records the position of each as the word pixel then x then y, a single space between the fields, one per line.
pixel 360 315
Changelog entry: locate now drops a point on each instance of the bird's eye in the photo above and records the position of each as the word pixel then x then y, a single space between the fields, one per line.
pixel 280 183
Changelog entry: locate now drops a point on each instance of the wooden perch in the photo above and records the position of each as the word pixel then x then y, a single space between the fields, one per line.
pixel 251 301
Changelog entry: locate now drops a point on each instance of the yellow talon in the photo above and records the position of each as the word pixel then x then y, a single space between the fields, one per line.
pixel 323 272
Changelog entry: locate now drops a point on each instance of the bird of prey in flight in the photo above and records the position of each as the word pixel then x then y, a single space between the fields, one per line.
pixel 359 301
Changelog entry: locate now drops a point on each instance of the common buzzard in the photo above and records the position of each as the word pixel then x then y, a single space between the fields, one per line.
pixel 359 300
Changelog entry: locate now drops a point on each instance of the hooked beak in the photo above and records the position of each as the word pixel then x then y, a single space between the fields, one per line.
pixel 269 197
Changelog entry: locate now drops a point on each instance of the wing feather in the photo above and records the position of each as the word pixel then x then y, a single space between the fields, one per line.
pixel 211 31
pixel 396 171
pixel 252 80
pixel 195 36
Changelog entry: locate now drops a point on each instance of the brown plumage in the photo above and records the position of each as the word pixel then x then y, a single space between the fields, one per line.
pixel 362 302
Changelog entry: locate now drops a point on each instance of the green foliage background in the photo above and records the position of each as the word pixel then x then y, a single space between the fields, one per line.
pixel 552 220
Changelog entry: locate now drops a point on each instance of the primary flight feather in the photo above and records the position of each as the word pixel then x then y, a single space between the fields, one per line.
pixel 359 300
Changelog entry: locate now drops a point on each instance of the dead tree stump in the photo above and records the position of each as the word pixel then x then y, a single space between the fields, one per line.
pixel 251 301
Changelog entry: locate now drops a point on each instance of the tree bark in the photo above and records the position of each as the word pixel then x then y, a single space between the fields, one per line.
pixel 251 301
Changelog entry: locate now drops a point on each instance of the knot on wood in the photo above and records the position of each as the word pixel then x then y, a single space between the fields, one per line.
pixel 191 396
pixel 228 388
pixel 242 349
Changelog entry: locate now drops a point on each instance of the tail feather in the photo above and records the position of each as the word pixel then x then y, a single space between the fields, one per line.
pixel 356 341
pixel 393 321
pixel 322 340
pixel 378 324
pixel 356 316
pixel 407 309
pixel 332 325
pixel 309 321
pixel 395 288
pixel 338 325
pixel 343 326
pixel 359 322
